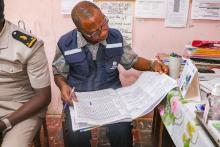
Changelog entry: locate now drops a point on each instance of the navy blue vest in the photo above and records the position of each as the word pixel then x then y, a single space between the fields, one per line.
pixel 86 74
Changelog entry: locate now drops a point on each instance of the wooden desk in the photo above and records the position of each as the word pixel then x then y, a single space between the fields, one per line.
pixel 160 135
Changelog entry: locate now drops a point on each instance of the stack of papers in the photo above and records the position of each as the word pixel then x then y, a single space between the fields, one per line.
pixel 203 55
pixel 110 106
pixel 209 53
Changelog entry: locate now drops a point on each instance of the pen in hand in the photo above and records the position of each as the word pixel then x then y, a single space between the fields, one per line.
pixel 72 97
pixel 65 106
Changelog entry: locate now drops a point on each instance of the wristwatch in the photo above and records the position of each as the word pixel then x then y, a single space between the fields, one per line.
pixel 7 124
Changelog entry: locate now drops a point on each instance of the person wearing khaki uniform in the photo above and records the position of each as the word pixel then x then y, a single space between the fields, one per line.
pixel 24 84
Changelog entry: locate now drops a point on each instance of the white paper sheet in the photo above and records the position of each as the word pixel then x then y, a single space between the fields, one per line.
pixel 78 126
pixel 210 84
pixel 99 107
pixel 177 13
pixel 150 8
pixel 124 104
pixel 67 5
pixel 146 93
pixel 206 9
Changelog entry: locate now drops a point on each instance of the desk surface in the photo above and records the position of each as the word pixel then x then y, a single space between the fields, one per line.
pixel 179 118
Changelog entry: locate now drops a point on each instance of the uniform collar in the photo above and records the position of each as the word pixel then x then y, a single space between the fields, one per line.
pixel 81 41
pixel 4 36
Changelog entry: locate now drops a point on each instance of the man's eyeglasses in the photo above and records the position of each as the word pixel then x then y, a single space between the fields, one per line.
pixel 98 31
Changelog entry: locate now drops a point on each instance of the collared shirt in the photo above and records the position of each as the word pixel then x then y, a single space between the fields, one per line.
pixel 129 57
pixel 22 69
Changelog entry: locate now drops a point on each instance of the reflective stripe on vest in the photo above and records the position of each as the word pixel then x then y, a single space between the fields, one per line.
pixel 115 45
pixel 72 51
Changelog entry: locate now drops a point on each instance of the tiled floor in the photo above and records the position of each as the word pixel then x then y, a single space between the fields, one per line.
pixel 141 133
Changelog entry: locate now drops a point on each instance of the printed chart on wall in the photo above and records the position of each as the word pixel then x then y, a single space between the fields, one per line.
pixel 177 13
pixel 150 9
pixel 67 5
pixel 120 16
pixel 206 9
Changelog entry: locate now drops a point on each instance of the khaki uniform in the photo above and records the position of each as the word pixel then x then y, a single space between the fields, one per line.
pixel 23 66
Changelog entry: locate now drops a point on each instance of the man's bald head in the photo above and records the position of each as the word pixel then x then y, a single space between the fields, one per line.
pixel 84 10
pixel 2 11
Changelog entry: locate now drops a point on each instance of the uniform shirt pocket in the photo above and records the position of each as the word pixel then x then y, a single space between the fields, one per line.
pixel 10 69
pixel 78 63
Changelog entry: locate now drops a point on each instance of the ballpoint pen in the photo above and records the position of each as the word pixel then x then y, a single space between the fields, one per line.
pixel 66 105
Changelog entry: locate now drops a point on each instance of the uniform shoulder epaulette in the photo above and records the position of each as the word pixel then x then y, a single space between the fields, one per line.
pixel 28 40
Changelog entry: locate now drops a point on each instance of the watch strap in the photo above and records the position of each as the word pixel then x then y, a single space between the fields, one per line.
pixel 7 124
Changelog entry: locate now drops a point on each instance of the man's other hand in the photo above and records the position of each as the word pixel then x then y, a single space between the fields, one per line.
pixel 160 67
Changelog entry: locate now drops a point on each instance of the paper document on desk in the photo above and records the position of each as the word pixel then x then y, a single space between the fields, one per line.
pixel 146 93
pixel 122 105
pixel 210 84
pixel 99 107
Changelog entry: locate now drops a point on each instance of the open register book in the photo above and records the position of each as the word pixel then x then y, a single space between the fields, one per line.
pixel 110 106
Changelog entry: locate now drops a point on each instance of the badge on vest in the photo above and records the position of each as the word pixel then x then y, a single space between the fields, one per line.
pixel 27 40
pixel 114 65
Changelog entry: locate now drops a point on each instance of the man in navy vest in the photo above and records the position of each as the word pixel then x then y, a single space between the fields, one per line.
pixel 87 59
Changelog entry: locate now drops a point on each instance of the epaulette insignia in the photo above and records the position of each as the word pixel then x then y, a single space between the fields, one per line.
pixel 28 40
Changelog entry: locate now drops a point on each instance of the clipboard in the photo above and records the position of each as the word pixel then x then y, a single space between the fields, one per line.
pixel 189 81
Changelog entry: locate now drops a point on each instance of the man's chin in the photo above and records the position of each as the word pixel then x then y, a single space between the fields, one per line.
pixel 102 39
pixel 98 41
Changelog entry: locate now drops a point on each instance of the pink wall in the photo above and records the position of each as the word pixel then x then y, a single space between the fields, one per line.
pixel 150 36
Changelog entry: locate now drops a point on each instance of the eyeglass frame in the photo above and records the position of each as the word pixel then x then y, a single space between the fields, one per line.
pixel 98 31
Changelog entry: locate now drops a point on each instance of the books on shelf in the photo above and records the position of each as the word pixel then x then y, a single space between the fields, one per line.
pixel 210 53
pixel 203 54
pixel 110 106
pixel 203 57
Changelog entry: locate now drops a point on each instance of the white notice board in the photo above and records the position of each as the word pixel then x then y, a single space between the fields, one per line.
pixel 206 9
pixel 120 16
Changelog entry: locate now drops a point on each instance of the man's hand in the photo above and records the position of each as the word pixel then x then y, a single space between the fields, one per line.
pixel 67 94
pixel 160 67
pixel 143 64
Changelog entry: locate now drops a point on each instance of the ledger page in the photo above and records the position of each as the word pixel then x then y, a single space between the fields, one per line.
pixel 146 93
pixel 99 107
